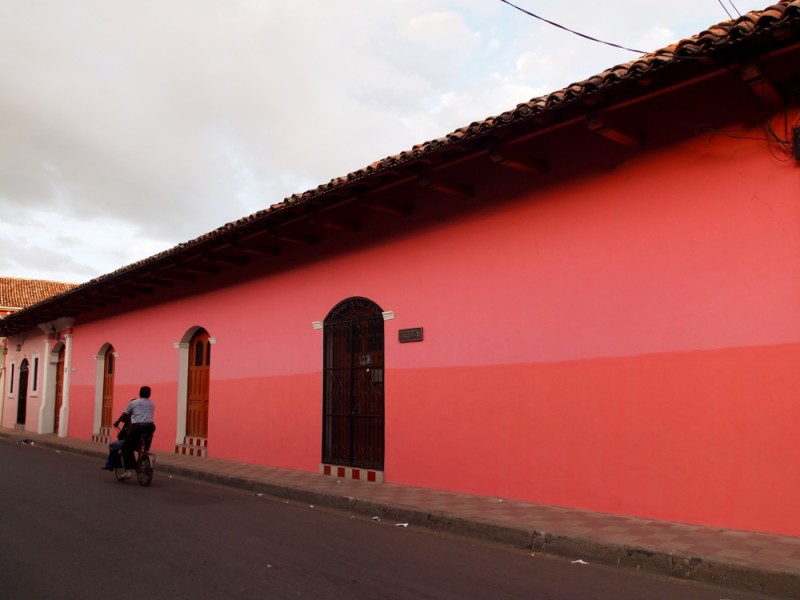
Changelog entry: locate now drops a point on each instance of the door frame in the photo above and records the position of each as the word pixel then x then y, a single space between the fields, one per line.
pixel 183 380
pixel 202 340
pixel 356 439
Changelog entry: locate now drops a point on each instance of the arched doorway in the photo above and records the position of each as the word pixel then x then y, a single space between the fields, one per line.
pixel 353 402
pixel 22 392
pixel 108 387
pixel 198 385
pixel 59 387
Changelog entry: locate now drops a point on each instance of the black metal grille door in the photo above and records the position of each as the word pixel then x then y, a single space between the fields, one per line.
pixel 353 417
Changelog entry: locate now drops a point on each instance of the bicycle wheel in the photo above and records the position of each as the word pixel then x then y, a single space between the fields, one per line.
pixel 119 469
pixel 144 469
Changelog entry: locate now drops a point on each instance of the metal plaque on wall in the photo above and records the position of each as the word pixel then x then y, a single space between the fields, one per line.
pixel 410 335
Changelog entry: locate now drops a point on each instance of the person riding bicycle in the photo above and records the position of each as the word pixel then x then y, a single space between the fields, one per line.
pixel 114 447
pixel 141 412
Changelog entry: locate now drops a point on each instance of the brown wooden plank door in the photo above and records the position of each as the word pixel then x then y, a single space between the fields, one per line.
pixel 108 387
pixel 59 386
pixel 198 385
pixel 353 403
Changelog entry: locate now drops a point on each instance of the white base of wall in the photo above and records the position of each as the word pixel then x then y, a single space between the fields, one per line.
pixel 192 446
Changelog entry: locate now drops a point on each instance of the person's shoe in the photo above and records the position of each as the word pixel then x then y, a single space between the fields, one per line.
pixel 126 475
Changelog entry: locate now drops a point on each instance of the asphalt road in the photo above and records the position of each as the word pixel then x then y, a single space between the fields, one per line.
pixel 69 530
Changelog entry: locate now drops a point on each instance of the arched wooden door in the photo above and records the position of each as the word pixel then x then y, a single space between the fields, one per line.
pixel 198 384
pixel 353 403
pixel 108 387
pixel 22 392
pixel 59 387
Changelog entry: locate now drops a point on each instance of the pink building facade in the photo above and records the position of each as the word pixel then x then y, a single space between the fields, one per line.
pixel 591 301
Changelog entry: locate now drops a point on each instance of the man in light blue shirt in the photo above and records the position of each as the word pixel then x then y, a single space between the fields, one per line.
pixel 140 411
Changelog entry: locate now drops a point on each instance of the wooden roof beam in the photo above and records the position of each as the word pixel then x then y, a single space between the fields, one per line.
pixel 763 88
pixel 519 163
pixel 404 209
pixel 616 134
pixel 136 288
pixel 446 187
pixel 227 259
pixel 172 273
pixel 259 249
pixel 199 269
pixel 294 238
pixel 160 281
pixel 351 226
pixel 104 298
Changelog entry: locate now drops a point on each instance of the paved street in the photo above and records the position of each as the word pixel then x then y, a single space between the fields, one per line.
pixel 71 530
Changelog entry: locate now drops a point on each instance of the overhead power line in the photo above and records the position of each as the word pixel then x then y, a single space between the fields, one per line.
pixel 725 8
pixel 583 35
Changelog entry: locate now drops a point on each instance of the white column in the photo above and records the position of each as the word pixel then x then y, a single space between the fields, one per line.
pixel 183 390
pixel 99 365
pixel 3 352
pixel 63 418
pixel 47 394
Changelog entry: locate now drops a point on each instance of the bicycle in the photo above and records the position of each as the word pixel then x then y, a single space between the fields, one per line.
pixel 145 462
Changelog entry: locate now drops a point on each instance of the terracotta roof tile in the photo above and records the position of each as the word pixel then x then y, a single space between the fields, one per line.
pixel 20 293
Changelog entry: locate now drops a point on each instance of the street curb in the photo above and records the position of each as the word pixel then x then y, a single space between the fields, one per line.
pixel 731 574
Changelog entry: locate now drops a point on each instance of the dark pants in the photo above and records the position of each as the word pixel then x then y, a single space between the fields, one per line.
pixel 113 457
pixel 138 430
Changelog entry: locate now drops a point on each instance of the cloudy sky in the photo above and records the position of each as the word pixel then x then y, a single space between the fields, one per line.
pixel 129 126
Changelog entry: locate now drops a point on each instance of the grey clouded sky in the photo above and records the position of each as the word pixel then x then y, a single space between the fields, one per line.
pixel 127 127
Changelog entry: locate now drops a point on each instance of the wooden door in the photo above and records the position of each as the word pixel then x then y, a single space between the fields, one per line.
pixel 198 384
pixel 353 403
pixel 108 388
pixel 59 387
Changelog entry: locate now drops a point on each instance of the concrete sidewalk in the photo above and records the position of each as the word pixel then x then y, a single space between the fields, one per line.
pixel 753 561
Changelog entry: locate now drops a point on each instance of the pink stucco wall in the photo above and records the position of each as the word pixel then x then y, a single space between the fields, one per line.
pixel 626 342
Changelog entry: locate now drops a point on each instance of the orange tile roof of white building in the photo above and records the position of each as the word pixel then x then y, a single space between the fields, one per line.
pixel 17 293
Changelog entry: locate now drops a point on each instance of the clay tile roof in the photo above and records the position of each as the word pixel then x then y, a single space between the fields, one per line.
pixel 20 293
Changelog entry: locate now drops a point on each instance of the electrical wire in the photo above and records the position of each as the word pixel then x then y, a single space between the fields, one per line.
pixel 784 145
pixel 780 148
pixel 734 7
pixel 583 35
pixel 725 8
